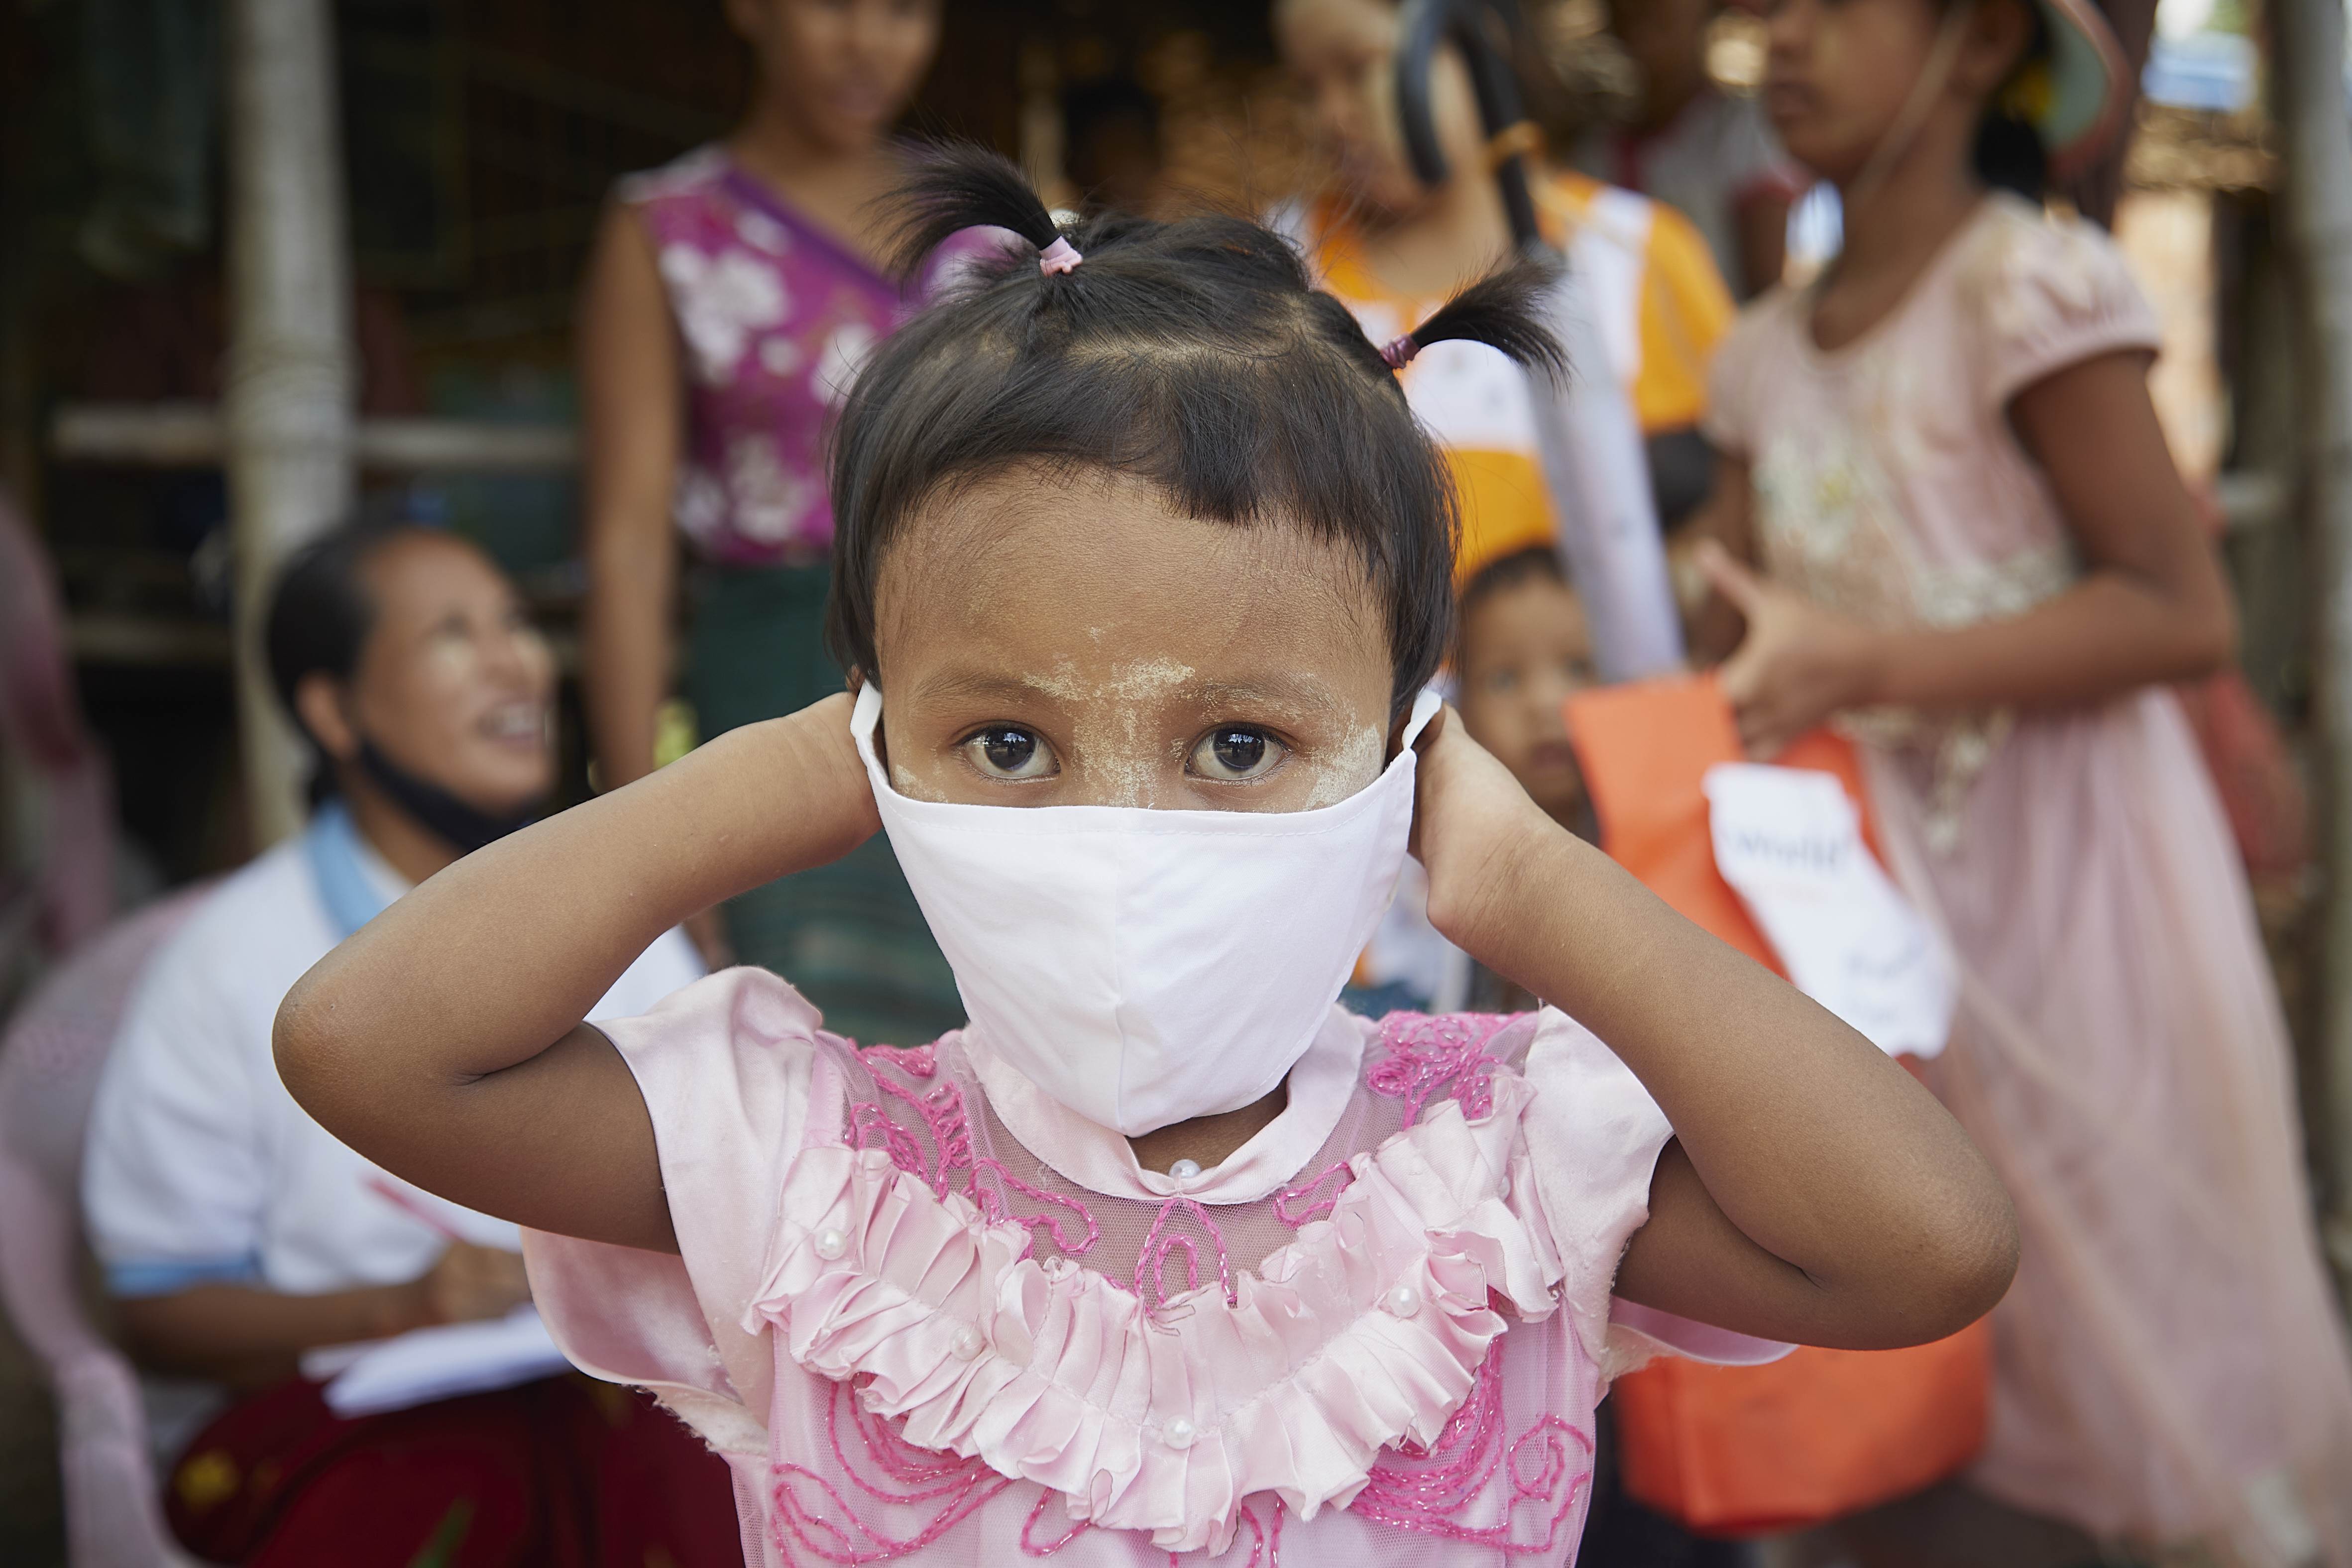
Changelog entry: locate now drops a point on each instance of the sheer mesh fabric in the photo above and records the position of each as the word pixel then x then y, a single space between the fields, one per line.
pixel 1507 1480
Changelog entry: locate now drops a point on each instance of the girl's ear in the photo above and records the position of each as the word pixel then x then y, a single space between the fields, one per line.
pixel 1999 34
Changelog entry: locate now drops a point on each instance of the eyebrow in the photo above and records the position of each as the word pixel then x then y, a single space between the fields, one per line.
pixel 979 685
pixel 1281 689
pixel 976 685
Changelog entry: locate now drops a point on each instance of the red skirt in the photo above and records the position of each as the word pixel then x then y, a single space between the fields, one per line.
pixel 565 1471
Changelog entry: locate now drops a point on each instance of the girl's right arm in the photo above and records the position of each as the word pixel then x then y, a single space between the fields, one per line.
pixel 633 408
pixel 444 1041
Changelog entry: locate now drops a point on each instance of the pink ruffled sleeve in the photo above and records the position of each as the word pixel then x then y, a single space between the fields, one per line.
pixel 726 1068
pixel 1593 1137
pixel 2054 292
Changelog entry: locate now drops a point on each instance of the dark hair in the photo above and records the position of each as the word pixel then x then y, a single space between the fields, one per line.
pixel 321 612
pixel 2008 153
pixel 1197 356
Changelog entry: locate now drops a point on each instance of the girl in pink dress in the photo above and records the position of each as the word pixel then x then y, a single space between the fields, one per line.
pixel 1142 563
pixel 1978 555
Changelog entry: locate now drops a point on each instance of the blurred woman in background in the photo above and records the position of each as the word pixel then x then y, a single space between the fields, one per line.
pixel 731 298
pixel 237 1234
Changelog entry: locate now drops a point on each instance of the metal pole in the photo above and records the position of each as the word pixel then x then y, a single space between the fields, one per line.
pixel 291 369
pixel 2308 64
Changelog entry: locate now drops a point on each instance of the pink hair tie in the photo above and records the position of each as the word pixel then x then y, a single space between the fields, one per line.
pixel 1398 352
pixel 1058 257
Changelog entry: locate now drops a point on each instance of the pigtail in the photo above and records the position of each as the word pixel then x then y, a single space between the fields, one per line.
pixel 1505 310
pixel 961 186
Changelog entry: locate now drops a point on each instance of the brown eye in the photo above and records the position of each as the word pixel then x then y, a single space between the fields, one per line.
pixel 1233 754
pixel 1009 751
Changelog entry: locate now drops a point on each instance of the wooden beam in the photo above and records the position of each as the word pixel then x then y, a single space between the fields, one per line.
pixel 292 365
pixel 2307 67
pixel 193 435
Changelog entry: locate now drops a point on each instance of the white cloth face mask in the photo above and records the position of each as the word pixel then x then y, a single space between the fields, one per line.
pixel 1145 967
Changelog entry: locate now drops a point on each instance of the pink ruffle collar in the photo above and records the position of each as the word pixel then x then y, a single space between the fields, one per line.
pixel 1101 1160
pixel 1365 1331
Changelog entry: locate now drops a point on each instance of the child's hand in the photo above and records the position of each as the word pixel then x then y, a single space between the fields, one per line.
pixel 1798 664
pixel 1471 828
pixel 834 812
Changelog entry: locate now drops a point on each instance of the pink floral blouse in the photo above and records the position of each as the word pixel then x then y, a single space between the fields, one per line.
pixel 928 1314
pixel 774 318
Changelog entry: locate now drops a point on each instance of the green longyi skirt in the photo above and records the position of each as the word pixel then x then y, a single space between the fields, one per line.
pixel 848 935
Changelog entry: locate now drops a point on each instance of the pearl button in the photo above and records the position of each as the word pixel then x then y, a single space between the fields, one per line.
pixel 1185 1170
pixel 1178 1432
pixel 1405 1300
pixel 967 1342
pixel 831 1243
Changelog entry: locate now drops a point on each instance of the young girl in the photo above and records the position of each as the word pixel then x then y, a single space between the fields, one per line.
pixel 731 298
pixel 1981 558
pixel 1141 565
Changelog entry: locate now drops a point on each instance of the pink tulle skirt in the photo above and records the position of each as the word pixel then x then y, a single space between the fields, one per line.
pixel 2171 1370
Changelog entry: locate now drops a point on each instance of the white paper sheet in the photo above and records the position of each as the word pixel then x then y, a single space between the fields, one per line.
pixel 1789 843
pixel 426 1364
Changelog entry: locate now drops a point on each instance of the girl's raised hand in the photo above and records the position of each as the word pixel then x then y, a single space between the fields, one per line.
pixel 1797 666
pixel 1471 822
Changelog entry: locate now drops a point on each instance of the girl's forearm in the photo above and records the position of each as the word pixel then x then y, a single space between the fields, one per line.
pixel 2106 636
pixel 497 957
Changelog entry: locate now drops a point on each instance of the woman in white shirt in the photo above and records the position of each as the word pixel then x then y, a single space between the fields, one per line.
pixel 237 1234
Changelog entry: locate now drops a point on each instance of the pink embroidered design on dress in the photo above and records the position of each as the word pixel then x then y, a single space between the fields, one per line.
pixel 1151 1263
pixel 887 1498
pixel 908 1477
pixel 1428 1055
pixel 1428 1491
pixel 941 1110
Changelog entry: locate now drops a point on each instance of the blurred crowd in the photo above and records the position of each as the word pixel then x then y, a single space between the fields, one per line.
pixel 2167 1380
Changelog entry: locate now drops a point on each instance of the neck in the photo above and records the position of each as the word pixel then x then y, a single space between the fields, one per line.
pixel 1208 1140
pixel 775 144
pixel 1907 215
pixel 409 848
pixel 1461 229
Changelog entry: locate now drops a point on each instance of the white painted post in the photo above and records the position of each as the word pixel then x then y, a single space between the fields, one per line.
pixel 293 369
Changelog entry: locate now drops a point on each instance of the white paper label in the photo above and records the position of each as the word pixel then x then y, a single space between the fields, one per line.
pixel 1789 843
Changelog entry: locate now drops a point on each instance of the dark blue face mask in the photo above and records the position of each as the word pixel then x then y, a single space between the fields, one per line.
pixel 466 828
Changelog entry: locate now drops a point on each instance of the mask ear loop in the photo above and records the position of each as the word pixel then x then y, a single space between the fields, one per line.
pixel 1912 115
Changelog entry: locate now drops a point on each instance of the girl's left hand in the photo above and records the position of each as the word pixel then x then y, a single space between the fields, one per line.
pixel 1472 825
pixel 1798 664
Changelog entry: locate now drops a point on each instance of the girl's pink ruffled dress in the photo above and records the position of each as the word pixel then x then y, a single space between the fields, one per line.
pixel 929 1314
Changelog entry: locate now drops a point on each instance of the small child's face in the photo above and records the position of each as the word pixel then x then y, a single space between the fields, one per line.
pixel 1077 642
pixel 1525 650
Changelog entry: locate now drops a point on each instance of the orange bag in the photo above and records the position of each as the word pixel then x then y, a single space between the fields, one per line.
pixel 1822 1433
